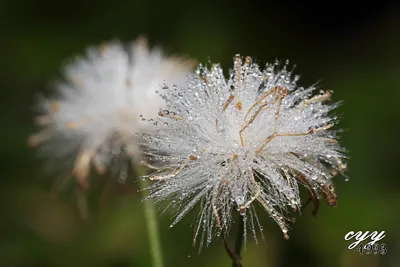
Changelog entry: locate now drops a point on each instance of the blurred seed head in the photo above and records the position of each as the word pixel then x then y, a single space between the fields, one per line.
pixel 99 108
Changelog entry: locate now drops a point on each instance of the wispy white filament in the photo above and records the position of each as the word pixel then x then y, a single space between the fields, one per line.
pixel 93 119
pixel 232 143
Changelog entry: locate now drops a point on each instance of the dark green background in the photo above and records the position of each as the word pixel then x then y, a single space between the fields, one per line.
pixel 353 48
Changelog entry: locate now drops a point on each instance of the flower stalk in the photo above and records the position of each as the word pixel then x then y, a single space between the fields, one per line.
pixel 238 244
pixel 151 221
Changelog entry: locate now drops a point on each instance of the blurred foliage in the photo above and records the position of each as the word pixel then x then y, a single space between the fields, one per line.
pixel 354 49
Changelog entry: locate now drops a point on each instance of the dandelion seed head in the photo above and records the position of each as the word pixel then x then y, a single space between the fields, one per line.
pixel 230 143
pixel 98 109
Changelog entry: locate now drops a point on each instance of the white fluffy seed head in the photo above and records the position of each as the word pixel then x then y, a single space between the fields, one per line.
pixel 251 138
pixel 99 107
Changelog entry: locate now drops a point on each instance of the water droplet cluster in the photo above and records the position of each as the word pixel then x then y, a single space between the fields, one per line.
pixel 228 143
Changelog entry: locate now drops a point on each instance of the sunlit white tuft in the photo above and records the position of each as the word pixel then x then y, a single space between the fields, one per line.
pixel 98 109
pixel 232 143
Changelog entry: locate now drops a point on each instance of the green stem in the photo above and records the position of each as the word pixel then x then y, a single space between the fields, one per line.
pixel 151 222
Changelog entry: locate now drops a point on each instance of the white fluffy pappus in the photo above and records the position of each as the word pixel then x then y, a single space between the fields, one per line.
pixel 232 143
pixel 98 109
